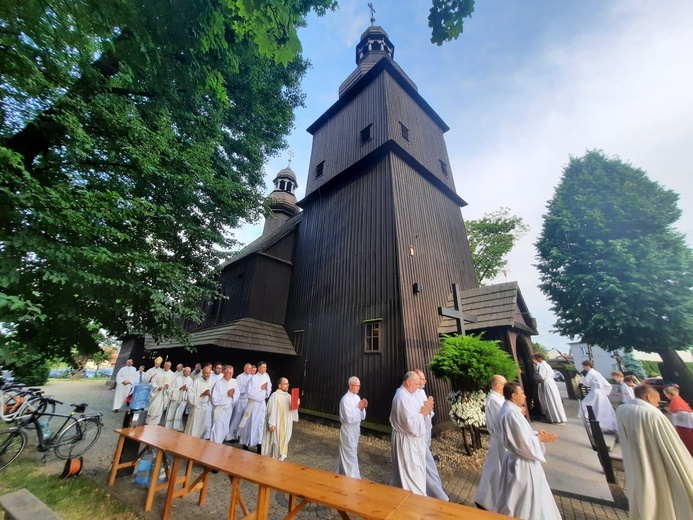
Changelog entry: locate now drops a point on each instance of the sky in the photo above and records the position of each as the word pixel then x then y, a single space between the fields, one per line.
pixel 525 87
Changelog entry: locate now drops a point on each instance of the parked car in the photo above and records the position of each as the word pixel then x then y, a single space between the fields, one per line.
pixel 557 376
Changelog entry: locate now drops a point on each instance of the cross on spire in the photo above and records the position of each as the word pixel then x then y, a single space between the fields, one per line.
pixel 370 6
pixel 291 155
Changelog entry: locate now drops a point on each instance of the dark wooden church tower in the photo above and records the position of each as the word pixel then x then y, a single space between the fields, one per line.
pixel 353 283
pixel 380 242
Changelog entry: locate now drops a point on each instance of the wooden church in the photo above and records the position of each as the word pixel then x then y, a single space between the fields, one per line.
pixel 363 275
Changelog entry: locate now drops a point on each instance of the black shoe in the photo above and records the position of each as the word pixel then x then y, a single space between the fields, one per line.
pixel 245 447
pixel 215 471
pixel 115 411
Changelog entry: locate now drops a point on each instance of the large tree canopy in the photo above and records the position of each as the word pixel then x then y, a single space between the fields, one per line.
pixel 617 272
pixel 491 238
pixel 132 139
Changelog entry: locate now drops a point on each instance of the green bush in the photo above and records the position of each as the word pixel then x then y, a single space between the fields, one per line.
pixel 469 362
pixel 651 368
pixel 32 374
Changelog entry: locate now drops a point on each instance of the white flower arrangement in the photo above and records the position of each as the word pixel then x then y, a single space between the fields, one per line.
pixel 467 409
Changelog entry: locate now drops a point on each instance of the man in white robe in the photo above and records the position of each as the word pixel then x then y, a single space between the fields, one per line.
pixel 198 400
pixel 407 418
pixel 658 467
pixel 197 372
pixel 598 398
pixel 178 400
pixel 215 376
pixel 279 422
pixel 490 475
pixel 434 486
pixel 125 380
pixel 241 404
pixel 152 372
pixel 523 491
pixel 352 410
pixel 253 421
pixel 224 398
pixel 547 390
pixel 158 398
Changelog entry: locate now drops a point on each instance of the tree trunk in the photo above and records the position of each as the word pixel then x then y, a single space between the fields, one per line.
pixel 678 372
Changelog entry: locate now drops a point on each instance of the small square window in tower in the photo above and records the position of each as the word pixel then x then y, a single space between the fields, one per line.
pixel 405 131
pixel 366 134
pixel 444 168
pixel 371 336
pixel 319 169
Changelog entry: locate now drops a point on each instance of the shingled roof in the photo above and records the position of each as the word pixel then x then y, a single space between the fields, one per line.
pixel 500 305
pixel 243 334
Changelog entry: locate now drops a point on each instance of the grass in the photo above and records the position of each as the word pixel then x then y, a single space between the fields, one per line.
pixel 75 498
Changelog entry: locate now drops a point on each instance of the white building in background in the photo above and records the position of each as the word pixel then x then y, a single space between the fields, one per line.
pixel 604 361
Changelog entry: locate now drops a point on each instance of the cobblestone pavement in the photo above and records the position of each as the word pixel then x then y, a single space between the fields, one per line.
pixel 311 445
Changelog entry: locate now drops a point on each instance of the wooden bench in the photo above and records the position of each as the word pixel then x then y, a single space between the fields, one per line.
pixel 22 505
pixel 304 485
pixel 416 507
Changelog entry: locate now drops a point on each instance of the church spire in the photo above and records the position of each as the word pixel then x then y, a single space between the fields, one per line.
pixel 282 201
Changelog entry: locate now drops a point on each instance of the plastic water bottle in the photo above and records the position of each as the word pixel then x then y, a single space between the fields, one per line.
pixel 144 468
pixel 45 429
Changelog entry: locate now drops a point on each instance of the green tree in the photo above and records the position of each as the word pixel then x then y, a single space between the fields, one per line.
pixel 630 364
pixel 491 238
pixel 132 140
pixel 617 272
pixel 538 347
pixel 446 19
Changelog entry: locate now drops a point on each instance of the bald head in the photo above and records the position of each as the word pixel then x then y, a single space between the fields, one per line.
pixel 497 383
pixel 647 393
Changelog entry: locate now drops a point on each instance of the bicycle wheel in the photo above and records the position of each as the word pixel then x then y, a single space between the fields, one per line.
pixel 77 438
pixel 12 443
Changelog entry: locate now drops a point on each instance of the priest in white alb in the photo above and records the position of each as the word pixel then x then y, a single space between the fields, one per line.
pixel 152 372
pixel 125 382
pixel 241 404
pixel 549 396
pixel 198 401
pixel 523 490
pixel 490 475
pixel 224 397
pixel 253 421
pixel 658 467
pixel 158 398
pixel 352 410
pixel 434 486
pixel 598 398
pixel 178 400
pixel 408 443
pixel 279 422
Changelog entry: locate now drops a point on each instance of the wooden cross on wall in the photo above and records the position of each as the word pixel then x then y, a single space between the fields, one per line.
pixel 456 312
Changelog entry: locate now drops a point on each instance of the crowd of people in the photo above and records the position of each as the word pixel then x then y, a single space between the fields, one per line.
pixel 218 406
pixel 244 410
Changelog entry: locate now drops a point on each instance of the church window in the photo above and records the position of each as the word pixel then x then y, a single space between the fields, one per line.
pixel 444 168
pixel 319 169
pixel 366 134
pixel 405 131
pixel 371 335
pixel 298 341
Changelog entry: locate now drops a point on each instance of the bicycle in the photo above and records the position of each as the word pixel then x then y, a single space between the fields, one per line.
pixel 73 438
